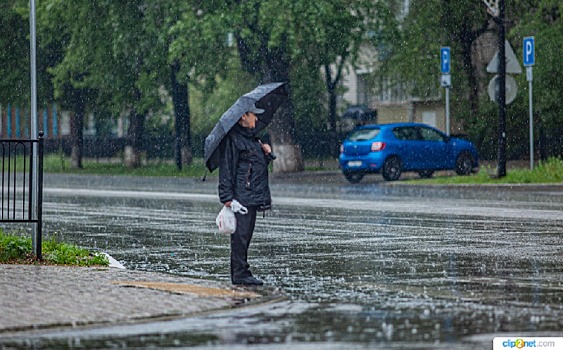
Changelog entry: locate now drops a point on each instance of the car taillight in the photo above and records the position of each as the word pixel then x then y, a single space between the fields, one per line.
pixel 377 146
pixel 341 148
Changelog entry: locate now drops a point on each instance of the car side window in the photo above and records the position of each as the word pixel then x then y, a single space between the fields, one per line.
pixel 406 134
pixel 431 135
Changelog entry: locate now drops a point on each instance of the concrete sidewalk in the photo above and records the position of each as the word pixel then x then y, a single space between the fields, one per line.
pixel 36 297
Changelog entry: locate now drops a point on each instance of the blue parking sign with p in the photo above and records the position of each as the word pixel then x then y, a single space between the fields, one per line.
pixel 445 60
pixel 529 51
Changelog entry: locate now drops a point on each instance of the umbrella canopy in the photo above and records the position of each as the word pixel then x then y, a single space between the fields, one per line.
pixel 267 97
pixel 359 113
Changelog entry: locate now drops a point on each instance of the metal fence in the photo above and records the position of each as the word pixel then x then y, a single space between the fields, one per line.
pixel 18 192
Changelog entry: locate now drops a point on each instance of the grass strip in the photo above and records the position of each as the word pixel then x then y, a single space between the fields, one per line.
pixel 549 171
pixel 56 164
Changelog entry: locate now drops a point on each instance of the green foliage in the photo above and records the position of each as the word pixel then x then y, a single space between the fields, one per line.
pixel 117 56
pixel 198 40
pixel 309 96
pixel 414 60
pixel 207 106
pixel 14 55
pixel 68 254
pixel 543 20
pixel 552 169
pixel 434 23
pixel 483 131
pixel 18 249
pixel 13 247
pixel 416 48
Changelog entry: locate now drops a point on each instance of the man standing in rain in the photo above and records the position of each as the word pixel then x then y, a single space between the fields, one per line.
pixel 243 181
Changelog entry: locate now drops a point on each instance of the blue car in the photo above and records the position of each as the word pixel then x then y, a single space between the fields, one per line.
pixel 391 149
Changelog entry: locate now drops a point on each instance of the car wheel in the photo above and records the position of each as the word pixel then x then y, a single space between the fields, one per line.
pixel 354 178
pixel 392 169
pixel 426 174
pixel 464 164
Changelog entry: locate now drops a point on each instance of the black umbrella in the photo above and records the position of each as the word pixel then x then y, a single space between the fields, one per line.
pixel 267 97
pixel 359 113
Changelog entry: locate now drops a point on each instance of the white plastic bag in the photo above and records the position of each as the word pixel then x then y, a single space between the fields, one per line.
pixel 226 221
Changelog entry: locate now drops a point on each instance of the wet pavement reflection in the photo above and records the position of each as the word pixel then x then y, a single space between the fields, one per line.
pixel 369 266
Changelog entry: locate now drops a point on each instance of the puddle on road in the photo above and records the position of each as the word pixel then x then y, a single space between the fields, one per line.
pixel 352 277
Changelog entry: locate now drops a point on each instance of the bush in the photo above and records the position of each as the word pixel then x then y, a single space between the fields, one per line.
pixel 13 247
pixel 18 249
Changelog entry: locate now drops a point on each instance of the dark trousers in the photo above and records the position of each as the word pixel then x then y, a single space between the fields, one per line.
pixel 240 241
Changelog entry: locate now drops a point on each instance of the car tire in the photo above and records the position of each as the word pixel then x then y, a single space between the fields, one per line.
pixel 426 174
pixel 464 164
pixel 392 169
pixel 354 178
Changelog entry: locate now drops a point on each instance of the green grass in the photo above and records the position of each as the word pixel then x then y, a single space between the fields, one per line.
pixel 57 164
pixel 550 171
pixel 17 249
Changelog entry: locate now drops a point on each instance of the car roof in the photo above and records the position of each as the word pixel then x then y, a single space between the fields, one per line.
pixel 390 125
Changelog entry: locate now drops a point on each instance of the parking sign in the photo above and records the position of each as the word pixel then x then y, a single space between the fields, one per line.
pixel 529 51
pixel 445 60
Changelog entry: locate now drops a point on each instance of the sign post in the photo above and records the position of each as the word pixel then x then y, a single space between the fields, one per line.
pixel 446 81
pixel 529 60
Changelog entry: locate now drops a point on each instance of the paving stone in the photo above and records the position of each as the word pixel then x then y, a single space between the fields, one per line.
pixel 48 296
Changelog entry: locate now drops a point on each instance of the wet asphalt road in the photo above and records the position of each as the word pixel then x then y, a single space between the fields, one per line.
pixel 374 265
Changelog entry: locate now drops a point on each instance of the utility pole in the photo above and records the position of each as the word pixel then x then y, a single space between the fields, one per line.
pixel 36 236
pixel 501 170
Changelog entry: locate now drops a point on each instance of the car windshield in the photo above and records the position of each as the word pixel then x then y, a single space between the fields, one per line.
pixel 363 134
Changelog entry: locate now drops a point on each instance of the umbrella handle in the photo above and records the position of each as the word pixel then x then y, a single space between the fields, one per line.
pixel 271 155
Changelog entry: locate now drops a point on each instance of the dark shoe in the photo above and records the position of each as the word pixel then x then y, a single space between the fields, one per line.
pixel 248 281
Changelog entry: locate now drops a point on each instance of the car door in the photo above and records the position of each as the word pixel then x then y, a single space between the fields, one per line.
pixel 434 149
pixel 407 146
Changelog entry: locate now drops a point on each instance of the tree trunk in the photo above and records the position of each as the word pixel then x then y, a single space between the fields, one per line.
pixel 77 132
pixel 180 100
pixel 269 65
pixel 276 68
pixel 467 38
pixel 133 150
pixel 331 84
pixel 282 131
pixel 332 109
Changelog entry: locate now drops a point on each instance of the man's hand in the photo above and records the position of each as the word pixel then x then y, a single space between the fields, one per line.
pixel 266 148
pixel 228 204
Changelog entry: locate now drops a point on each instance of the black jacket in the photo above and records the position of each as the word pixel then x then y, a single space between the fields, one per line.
pixel 243 171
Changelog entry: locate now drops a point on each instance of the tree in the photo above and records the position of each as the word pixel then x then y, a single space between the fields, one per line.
pixel 15 74
pixel 542 19
pixel 70 29
pixel 263 43
pixel 112 61
pixel 136 63
pixel 273 37
pixel 427 27
pixel 197 54
pixel 14 55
